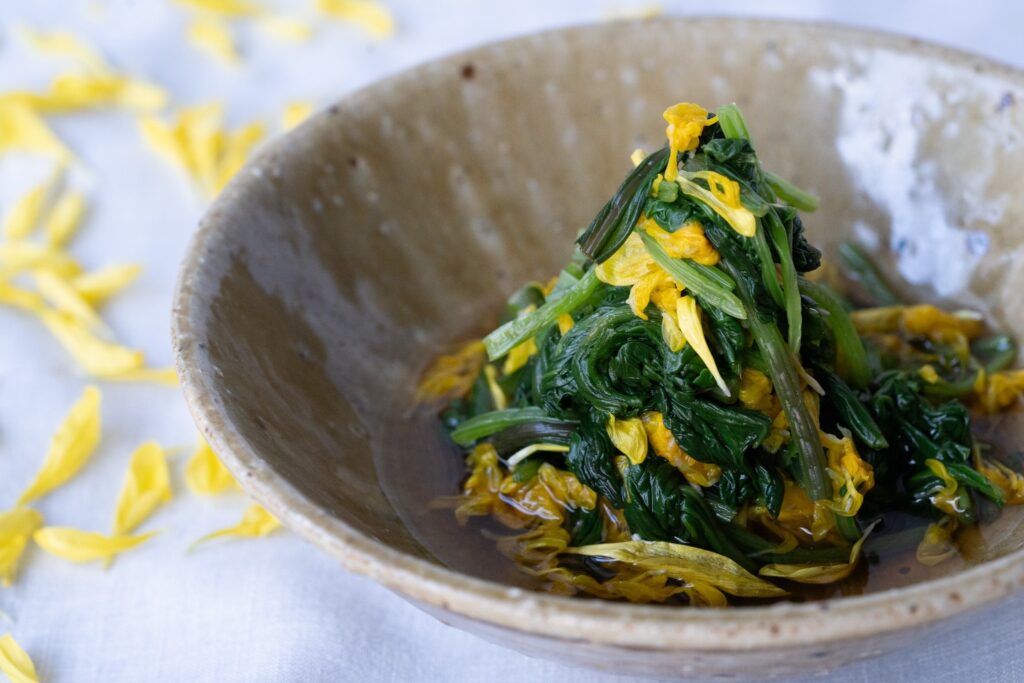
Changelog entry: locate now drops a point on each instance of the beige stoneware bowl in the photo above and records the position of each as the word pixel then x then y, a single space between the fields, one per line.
pixel 395 223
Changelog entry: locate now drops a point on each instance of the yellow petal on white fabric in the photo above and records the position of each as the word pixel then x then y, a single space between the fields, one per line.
pixel 255 522
pixel 205 474
pixel 15 662
pixel 286 28
pixel 685 563
pixel 162 138
pixel 64 44
pixel 66 299
pixel 99 285
pixel 165 376
pixel 23 130
pixel 93 355
pixel 147 486
pixel 225 8
pixel 75 545
pixel 11 295
pixel 64 219
pixel 369 15
pixel 688 313
pixel 212 36
pixel 26 214
pixel 295 113
pixel 71 447
pixel 17 257
pixel 238 145
pixel 629 436
pixel 16 528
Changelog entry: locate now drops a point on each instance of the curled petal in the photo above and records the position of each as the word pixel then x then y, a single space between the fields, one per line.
pixel 629 437
pixel 15 662
pixel 75 545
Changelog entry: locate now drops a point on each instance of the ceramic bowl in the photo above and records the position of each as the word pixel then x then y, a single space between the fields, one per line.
pixel 393 224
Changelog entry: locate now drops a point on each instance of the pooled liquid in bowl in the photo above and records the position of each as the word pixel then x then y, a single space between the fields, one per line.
pixel 414 485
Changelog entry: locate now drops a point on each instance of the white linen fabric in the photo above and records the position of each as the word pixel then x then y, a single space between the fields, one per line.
pixel 276 609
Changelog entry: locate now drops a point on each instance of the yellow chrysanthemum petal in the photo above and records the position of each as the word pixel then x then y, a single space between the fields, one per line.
pixel 255 523
pixel 818 573
pixel 225 8
pixel 20 298
pixel 66 299
pixel 944 499
pixel 286 28
pixel 637 157
pixel 851 476
pixel 368 15
pixel 519 356
pixel 26 214
pixel 205 474
pixel 688 313
pixel 686 122
pixel 166 376
pixel 937 546
pixel 147 486
pixel 670 332
pixel 640 293
pixel 627 265
pixel 629 437
pixel 664 444
pixel 565 323
pixel 497 393
pixel 17 257
pixel 71 447
pixel 99 285
pixel 75 545
pixel 685 563
pixel 295 113
pixel 212 36
pixel 96 357
pixel 724 199
pixel 237 147
pixel 16 528
pixel 688 241
pixel 15 662
pixel 64 219
pixel 22 129
pixel 452 375
pixel 64 44
pixel 755 390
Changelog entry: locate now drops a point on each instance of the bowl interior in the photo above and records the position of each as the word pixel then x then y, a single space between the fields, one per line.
pixel 394 224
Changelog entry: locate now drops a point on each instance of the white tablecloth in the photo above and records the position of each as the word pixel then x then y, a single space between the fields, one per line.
pixel 276 609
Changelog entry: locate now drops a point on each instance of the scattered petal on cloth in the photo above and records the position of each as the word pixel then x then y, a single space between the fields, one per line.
pixel 205 474
pixel 147 486
pixel 16 528
pixel 15 662
pixel 72 446
pixel 75 545
pixel 255 523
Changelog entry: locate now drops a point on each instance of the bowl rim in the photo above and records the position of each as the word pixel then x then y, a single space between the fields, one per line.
pixel 639 627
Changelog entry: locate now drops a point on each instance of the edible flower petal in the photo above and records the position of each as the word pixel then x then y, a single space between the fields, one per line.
pixel 295 113
pixel 16 528
pixel 818 573
pixel 664 444
pixel 71 447
pixel 687 241
pixel 212 36
pixel 452 376
pixel 851 476
pixel 205 474
pixel 96 357
pixel 22 129
pixel 627 265
pixel 368 15
pixel 690 325
pixel 686 122
pixel 99 285
pixel 15 662
pixel 629 437
pixel 685 563
pixel 937 546
pixel 724 199
pixel 146 487
pixel 75 545
pixel 256 522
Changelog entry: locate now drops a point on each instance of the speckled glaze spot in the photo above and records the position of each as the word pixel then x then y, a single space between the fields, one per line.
pixel 314 294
